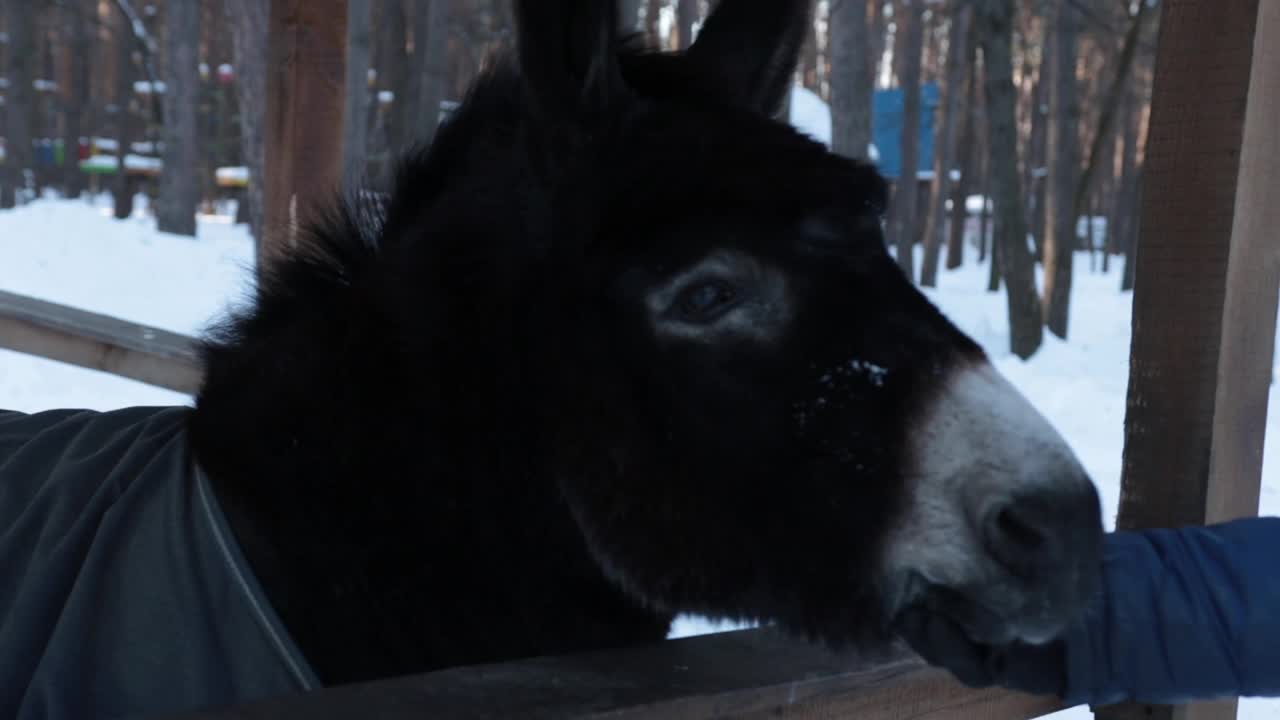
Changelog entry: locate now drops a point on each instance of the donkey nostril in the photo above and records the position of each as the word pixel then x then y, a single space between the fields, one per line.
pixel 1014 529
pixel 1019 534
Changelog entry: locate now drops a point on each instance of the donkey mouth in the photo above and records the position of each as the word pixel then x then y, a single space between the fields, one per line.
pixel 1004 592
pixel 940 615
pixel 1001 541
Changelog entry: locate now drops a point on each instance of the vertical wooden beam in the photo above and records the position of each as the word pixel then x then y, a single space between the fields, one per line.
pixel 306 88
pixel 1204 311
pixel 1249 313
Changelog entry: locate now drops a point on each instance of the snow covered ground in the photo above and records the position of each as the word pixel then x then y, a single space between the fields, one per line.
pixel 72 252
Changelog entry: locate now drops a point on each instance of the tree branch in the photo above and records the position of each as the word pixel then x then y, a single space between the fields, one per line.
pixel 148 47
pixel 1093 18
pixel 1109 110
pixel 145 42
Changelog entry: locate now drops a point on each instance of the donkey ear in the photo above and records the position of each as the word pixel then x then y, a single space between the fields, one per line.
pixel 748 49
pixel 568 54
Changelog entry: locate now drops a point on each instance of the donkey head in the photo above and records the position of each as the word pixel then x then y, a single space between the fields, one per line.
pixel 747 408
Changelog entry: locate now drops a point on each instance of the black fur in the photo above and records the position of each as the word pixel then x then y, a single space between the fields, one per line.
pixel 445 432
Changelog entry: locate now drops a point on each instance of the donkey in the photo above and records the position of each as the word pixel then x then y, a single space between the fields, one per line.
pixel 619 345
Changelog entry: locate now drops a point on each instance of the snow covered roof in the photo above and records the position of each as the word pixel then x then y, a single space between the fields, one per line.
pixel 38 84
pixel 973 204
pixel 144 87
pixel 109 164
pixel 233 176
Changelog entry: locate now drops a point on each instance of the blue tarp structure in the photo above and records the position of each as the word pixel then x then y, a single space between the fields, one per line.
pixel 886 128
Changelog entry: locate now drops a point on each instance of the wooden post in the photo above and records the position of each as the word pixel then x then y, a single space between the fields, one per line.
pixel 306 88
pixel 1204 311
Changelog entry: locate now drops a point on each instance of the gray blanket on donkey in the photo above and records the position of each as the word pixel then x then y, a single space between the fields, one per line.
pixel 122 590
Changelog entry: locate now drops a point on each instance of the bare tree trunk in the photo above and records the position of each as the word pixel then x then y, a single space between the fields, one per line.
pixel 629 16
pixel 1110 108
pixel 1108 200
pixel 179 183
pixel 808 65
pixel 907 188
pixel 1061 238
pixel 988 244
pixel 931 62
pixel 1120 183
pixel 1133 230
pixel 982 133
pixel 75 95
pixel 248 22
pixel 1025 39
pixel 652 28
pixel 307 58
pixel 879 32
pixel 1094 203
pixel 995 18
pixel 944 150
pixel 1038 154
pixel 395 70
pixel 852 78
pixel 1123 219
pixel 124 99
pixel 901 22
pixel 984 210
pixel 40 121
pixel 993 260
pixel 1108 249
pixel 807 68
pixel 19 100
pixel 686 16
pixel 430 67
pixel 988 241
pixel 984 217
pixel 355 144
pixel 1130 195
pixel 968 165
pixel 212 110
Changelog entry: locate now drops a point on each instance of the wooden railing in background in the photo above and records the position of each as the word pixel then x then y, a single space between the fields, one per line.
pixel 99 342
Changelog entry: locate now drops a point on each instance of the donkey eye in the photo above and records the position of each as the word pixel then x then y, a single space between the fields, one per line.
pixel 705 302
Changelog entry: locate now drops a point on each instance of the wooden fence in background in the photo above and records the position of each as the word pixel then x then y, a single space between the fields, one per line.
pixel 98 342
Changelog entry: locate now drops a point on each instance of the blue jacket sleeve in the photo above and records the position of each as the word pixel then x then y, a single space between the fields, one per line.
pixel 1187 614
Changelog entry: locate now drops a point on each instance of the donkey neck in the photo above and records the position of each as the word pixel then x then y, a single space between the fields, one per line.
pixel 381 499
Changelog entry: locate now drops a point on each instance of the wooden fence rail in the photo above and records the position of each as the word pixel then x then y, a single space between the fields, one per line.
pixel 99 342
pixel 744 674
